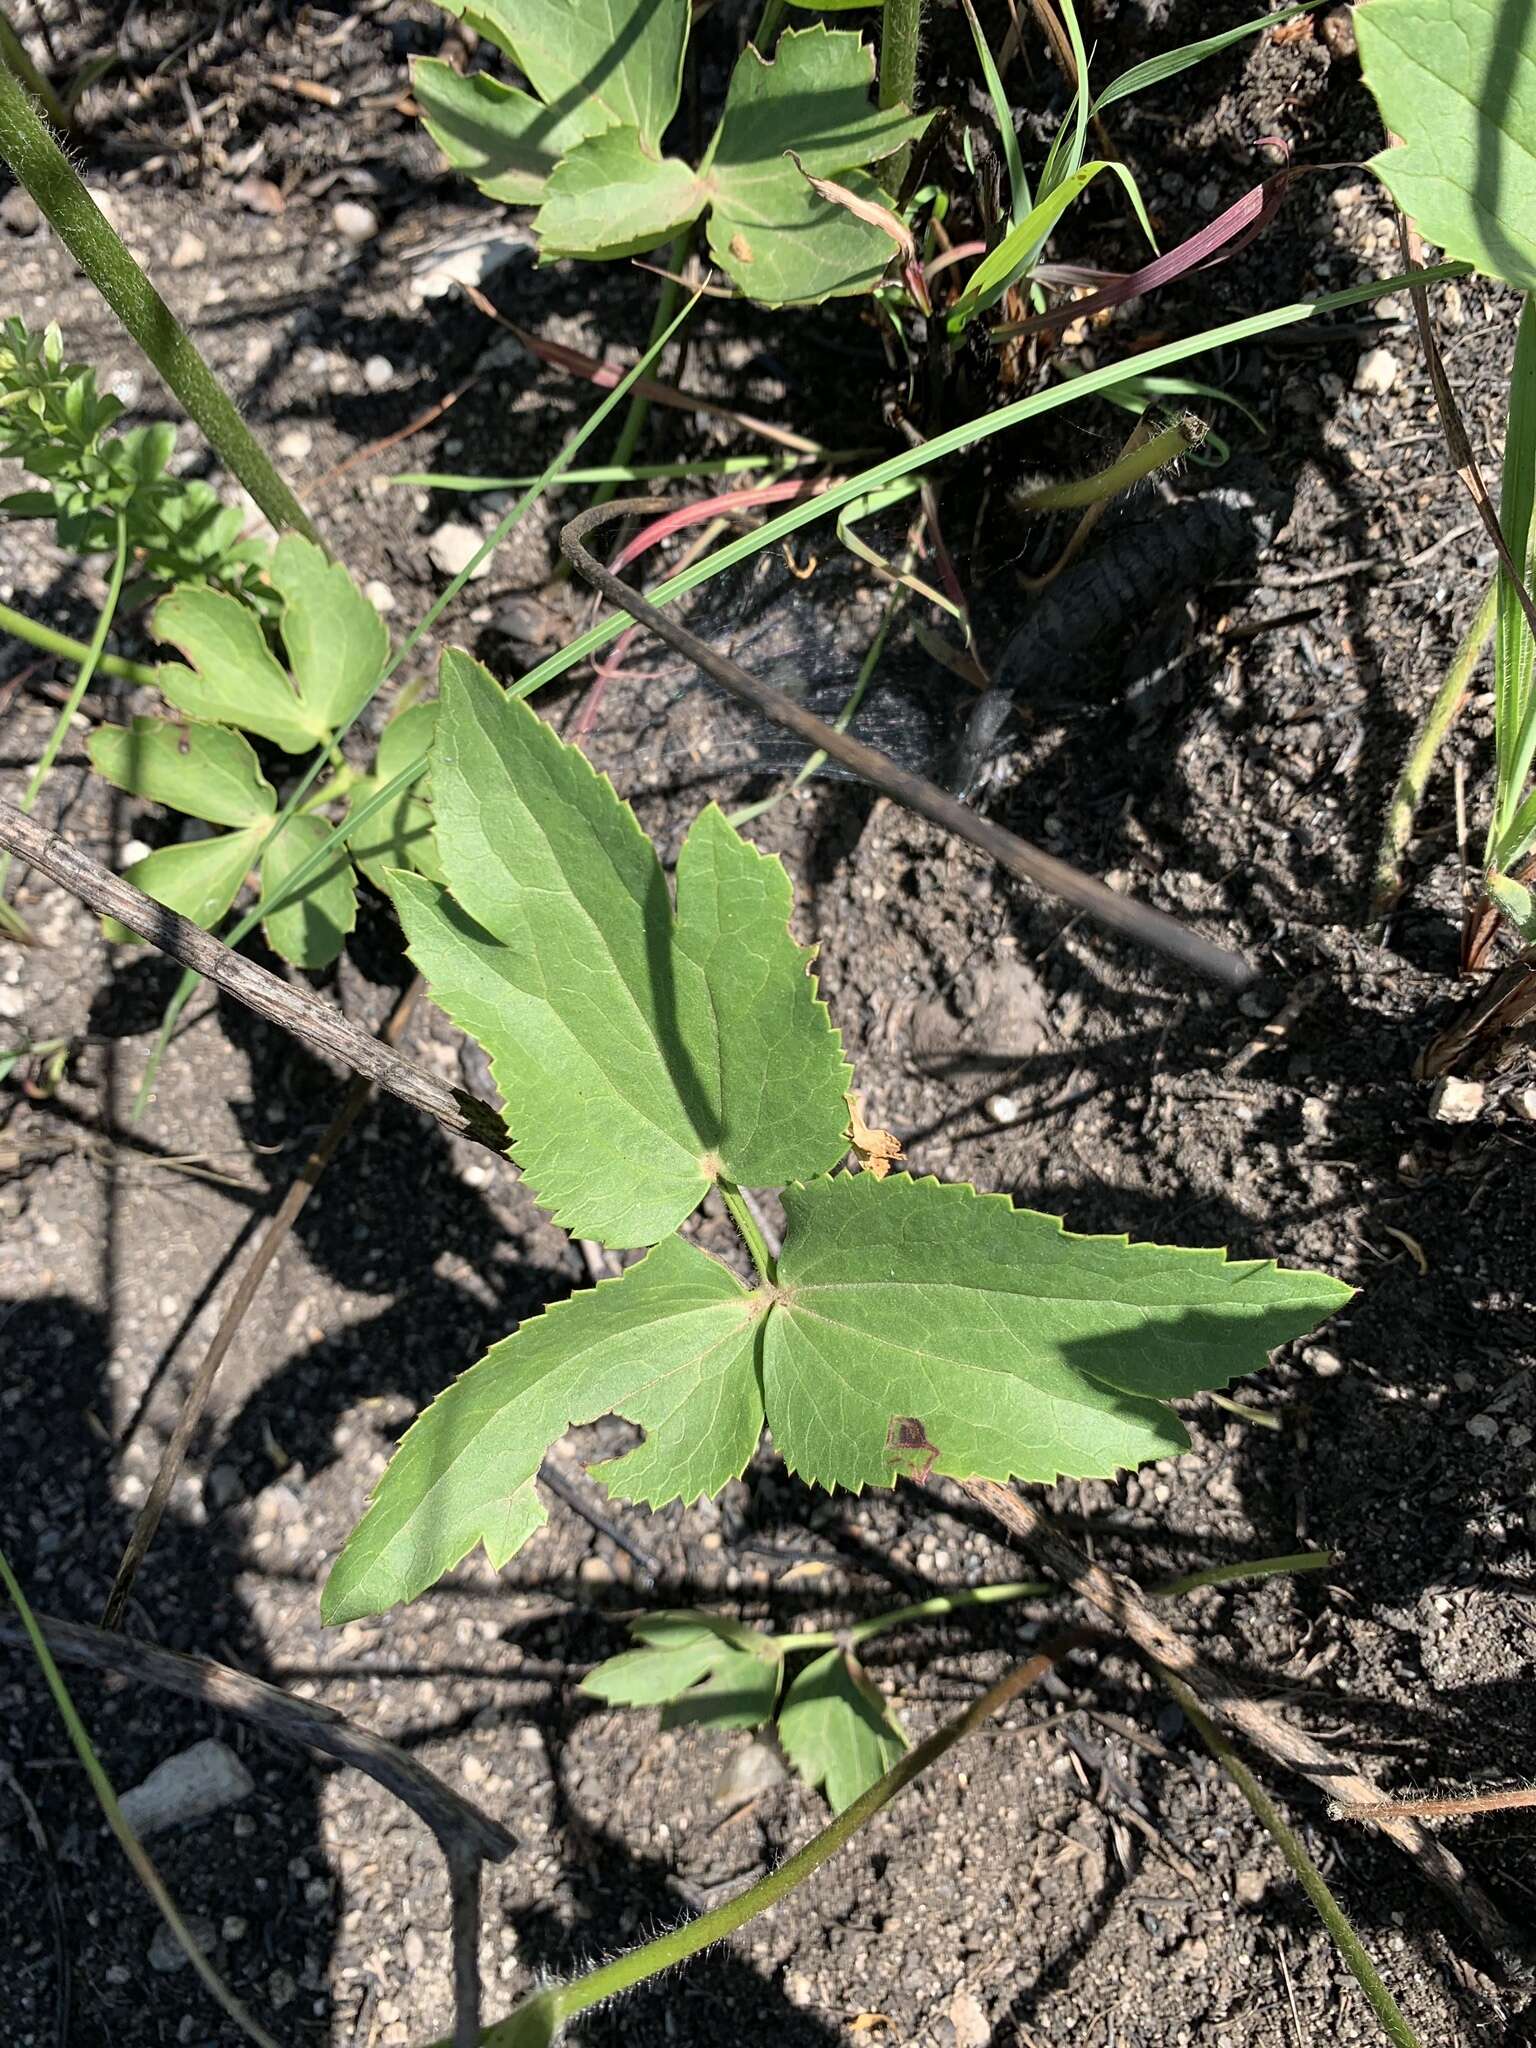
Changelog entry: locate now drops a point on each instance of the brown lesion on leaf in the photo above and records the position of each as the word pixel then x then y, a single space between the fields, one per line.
pixel 741 248
pixel 878 1150
pixel 908 1448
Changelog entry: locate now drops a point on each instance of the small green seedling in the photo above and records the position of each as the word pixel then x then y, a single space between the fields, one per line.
pixel 647 1053
pixel 56 423
pixel 200 763
pixel 704 1670
pixel 583 144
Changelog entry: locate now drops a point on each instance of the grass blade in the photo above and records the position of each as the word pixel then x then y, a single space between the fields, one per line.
pixel 1018 178
pixel 1171 62
pixel 970 434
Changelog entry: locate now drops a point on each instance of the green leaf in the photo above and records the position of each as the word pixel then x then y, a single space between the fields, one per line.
pixel 703 1669
pixel 621 58
pixel 199 878
pixel 1517 903
pixel 1456 79
pixel 776 238
pixel 837 1729
pixel 924 1326
pixel 203 770
pixel 1514 651
pixel 670 1345
pixel 335 641
pixel 312 928
pixel 613 197
pixel 1020 248
pixel 505 140
pixel 799 248
pixel 641 1056
pixel 234 676
pixel 400 834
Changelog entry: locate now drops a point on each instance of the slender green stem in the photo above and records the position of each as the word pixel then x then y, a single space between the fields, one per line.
pixel 1134 464
pixel 88 668
pixel 128 1841
pixel 920 1610
pixel 752 1237
pixel 766 34
pixel 1427 742
pixel 322 854
pixel 536 2019
pixel 609 473
pixel 20 627
pixel 49 176
pixel 82 682
pixel 13 56
pixel 1291 1847
pixel 1244 1568
pixel 1033 1589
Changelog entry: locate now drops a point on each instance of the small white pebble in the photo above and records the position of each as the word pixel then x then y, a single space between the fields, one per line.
pixel 1376 372
pixel 1003 1109
pixel 1456 1102
pixel 1483 1427
pixel 132 852
pixel 295 444
pixel 354 221
pixel 379 595
pixel 454 546
pixel 378 373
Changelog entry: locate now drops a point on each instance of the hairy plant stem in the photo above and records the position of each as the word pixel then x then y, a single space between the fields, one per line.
pixel 82 683
pixel 751 1236
pixel 537 2018
pixel 1292 1848
pixel 53 182
pixel 1386 883
pixel 47 641
pixel 128 1841
pixel 766 34
pixel 900 24
pixel 14 58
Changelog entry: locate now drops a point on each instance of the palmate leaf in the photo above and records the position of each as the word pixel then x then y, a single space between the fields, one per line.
pixel 312 929
pixel 620 59
pixel 912 1326
pixel 670 1345
pixel 203 770
pixel 1456 79
pixel 641 1056
pixel 335 641
pixel 776 238
pixel 505 140
pixel 837 1729
pixel 702 1670
pixel 926 1327
pixel 198 879
pixel 614 197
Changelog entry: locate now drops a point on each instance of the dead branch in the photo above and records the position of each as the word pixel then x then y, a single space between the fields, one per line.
pixel 1135 921
pixel 467 1837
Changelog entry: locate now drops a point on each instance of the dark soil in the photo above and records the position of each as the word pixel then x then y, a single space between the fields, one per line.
pixel 1082 1872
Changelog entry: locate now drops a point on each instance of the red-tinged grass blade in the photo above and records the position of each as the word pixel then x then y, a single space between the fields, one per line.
pixel 1217 242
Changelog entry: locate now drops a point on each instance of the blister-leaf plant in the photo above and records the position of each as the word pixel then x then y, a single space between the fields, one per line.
pixel 200 763
pixel 1456 81
pixel 55 423
pixel 647 1053
pixel 584 141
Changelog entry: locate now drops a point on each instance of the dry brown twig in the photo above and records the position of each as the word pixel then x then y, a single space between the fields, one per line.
pixel 289 1005
pixel 468 1838
pixel 1135 921
pixel 1291 1747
